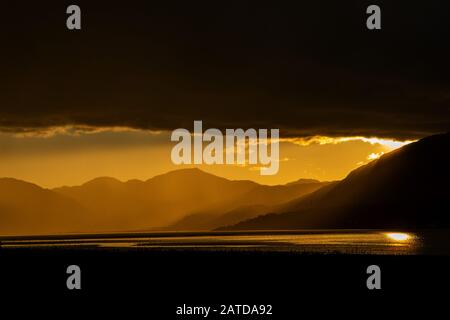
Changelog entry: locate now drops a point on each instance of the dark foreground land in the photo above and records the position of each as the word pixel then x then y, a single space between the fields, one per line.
pixel 153 283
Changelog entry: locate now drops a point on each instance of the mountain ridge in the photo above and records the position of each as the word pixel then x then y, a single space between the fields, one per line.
pixel 107 204
pixel 406 188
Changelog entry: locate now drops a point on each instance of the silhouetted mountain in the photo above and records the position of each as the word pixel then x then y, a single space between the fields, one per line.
pixel 406 188
pixel 26 208
pixel 302 181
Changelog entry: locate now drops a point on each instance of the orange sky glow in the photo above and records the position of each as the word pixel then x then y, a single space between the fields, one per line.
pixel 73 155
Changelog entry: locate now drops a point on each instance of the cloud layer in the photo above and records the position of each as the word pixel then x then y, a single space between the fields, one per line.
pixel 308 68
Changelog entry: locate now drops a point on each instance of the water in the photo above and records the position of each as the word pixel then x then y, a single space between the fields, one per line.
pixel 324 242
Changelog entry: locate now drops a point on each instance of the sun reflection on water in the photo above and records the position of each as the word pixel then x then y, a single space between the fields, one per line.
pixel 398 236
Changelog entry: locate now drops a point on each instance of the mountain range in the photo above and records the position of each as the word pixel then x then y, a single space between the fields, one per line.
pixel 171 201
pixel 406 188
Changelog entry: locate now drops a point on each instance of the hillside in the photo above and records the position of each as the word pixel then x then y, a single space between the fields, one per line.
pixel 26 208
pixel 407 188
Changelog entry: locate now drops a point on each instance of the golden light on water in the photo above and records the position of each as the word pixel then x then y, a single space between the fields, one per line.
pixel 398 236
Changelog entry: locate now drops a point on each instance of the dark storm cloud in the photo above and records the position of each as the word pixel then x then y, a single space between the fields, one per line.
pixel 307 67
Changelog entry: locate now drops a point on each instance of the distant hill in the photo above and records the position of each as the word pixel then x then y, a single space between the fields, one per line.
pixel 302 181
pixel 406 188
pixel 26 208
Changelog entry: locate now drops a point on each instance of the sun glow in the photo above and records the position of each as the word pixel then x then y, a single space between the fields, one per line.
pixel 398 236
pixel 321 140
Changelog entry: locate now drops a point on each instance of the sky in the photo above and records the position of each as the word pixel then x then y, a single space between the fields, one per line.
pixel 309 68
pixel 72 158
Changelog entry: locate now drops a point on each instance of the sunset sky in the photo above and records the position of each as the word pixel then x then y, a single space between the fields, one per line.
pixel 102 101
pixel 68 157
